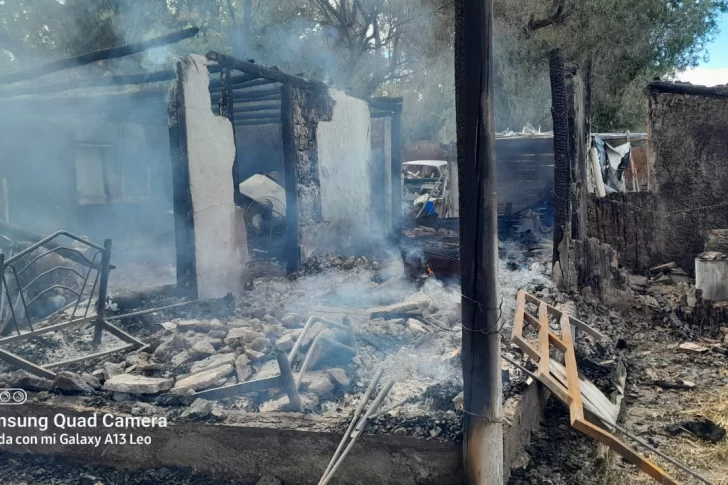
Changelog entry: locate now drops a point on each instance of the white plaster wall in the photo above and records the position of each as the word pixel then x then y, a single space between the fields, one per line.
pixel 344 154
pixel 220 244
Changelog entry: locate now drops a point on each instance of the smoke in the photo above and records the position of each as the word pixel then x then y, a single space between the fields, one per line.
pixel 94 161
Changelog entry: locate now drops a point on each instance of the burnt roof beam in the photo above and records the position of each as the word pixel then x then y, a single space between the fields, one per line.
pixel 265 72
pixel 112 53
pixel 683 88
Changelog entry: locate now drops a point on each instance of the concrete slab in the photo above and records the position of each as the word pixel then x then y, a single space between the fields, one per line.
pixel 295 448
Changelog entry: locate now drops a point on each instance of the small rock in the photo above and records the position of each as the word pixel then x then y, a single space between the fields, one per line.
pixel 70 382
pixel 239 333
pixel 269 369
pixel 200 325
pixel 111 370
pixel 137 359
pixel 200 408
pixel 254 355
pixel 163 352
pixel 169 326
pixel 286 342
pixel 202 380
pixel 217 360
pixel 120 396
pixel 237 323
pixel 260 344
pixel 270 319
pixel 274 405
pixel 217 334
pixel 218 412
pixel 99 374
pixel 201 350
pixel 693 348
pixel 317 382
pixel 291 321
pixel 88 480
pixel 134 384
pixel 181 358
pixel 339 377
pixel 33 384
pixel 415 327
pixel 242 368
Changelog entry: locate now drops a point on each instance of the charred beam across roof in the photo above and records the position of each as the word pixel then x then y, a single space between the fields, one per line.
pixel 386 104
pixel 270 73
pixel 97 82
pixel 685 88
pixel 250 83
pixel 112 53
pixel 262 121
pixel 251 95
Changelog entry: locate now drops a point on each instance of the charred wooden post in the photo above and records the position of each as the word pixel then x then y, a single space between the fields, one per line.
pixel 562 165
pixel 396 171
pixel 103 288
pixel 184 225
pixel 578 134
pixel 482 380
pixel 292 249
pixel 227 110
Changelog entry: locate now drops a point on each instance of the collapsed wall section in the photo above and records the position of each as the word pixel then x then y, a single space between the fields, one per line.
pixel 209 229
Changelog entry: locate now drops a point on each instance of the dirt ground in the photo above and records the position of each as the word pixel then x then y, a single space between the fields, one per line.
pixel 652 354
pixel 36 470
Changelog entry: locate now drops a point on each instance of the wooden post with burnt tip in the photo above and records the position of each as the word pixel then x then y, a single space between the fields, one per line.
pixel 103 287
pixel 482 381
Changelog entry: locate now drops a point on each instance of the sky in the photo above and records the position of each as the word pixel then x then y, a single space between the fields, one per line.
pixel 715 71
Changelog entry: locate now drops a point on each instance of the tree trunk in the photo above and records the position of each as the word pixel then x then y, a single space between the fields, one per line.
pixel 562 165
pixel 247 22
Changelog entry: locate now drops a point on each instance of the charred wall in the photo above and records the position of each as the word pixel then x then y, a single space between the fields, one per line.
pixel 689 128
pixel 627 223
pixel 307 109
pixel 687 150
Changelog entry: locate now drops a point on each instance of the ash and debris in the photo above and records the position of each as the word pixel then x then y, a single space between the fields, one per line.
pixel 49 470
pixel 674 368
pixel 409 327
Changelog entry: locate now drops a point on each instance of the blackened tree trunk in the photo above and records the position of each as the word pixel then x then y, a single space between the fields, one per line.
pixel 562 165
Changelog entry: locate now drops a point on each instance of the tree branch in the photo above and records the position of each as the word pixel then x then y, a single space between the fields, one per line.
pixel 556 18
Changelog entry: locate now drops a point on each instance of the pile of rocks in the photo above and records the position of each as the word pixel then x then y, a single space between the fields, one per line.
pixel 193 355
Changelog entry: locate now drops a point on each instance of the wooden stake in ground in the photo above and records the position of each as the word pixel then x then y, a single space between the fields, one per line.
pixel 483 408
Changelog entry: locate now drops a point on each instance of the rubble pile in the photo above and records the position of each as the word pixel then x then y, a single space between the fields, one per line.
pixel 410 329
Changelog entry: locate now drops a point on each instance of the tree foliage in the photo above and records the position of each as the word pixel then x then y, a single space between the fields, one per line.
pixel 390 47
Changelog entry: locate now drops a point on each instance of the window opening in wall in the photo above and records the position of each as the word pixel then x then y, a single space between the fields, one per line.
pixel 102 178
